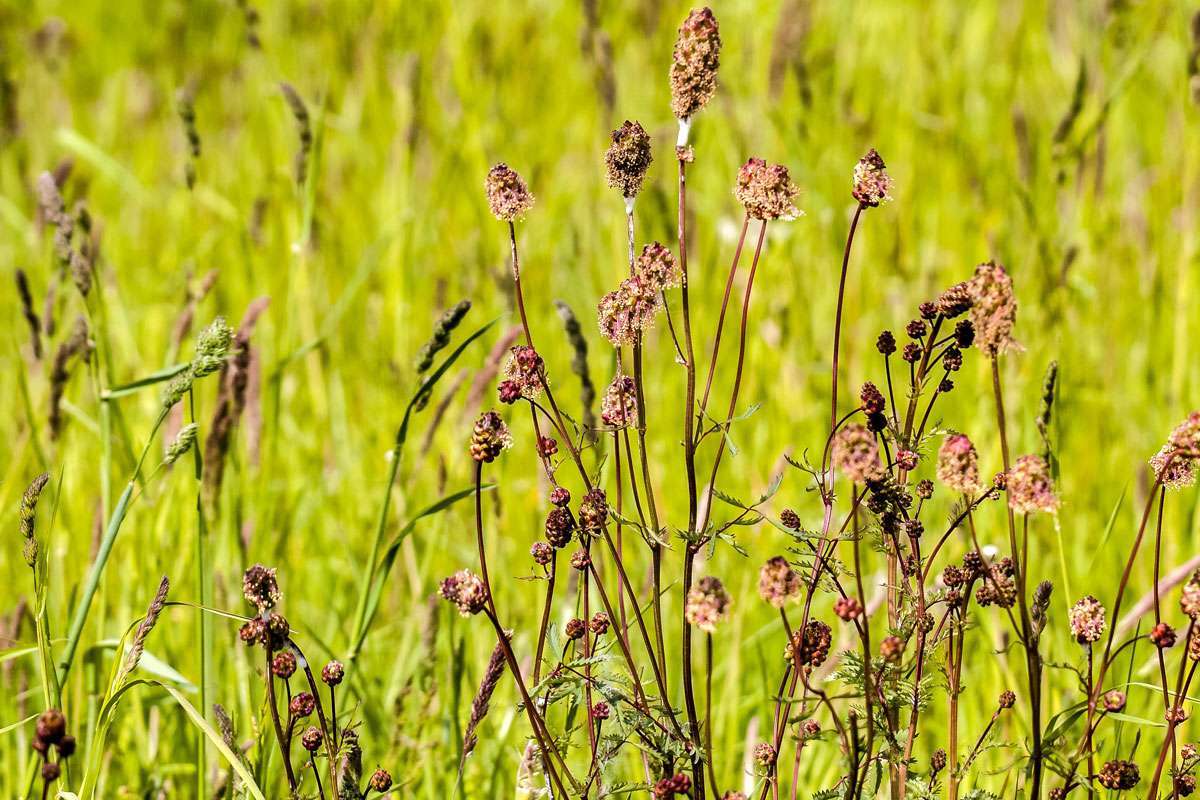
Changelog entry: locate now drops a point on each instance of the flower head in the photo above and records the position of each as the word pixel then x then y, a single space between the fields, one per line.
pixel 1087 620
pixel 958 464
pixel 1189 600
pixel 489 438
pixel 658 265
pixel 707 604
pixel 593 510
pixel 809 646
pixel 856 453
pixel 302 704
pixel 694 63
pixel 260 587
pixel 332 673
pixel 1186 436
pixel 993 308
pixel 872 184
pixel 466 590
pixel 1172 468
pixel 778 582
pixel 507 194
pixel 766 191
pixel 628 158
pixel 619 407
pixel 955 301
pixel 629 309
pixel 1118 775
pixel 1030 487
pixel 525 371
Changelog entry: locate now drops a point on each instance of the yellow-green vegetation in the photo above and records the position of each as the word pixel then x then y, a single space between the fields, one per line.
pixel 313 173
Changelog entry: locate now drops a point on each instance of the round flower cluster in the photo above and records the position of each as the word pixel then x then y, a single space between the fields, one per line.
pixel 260 587
pixel 507 195
pixel 659 267
pixel 778 582
pixel 993 308
pixel 766 191
pixel 489 438
pixel 629 309
pixel 628 158
pixel 1118 775
pixel 872 184
pixel 1087 620
pixel 524 371
pixel 809 646
pixel 856 454
pixel 466 590
pixel 1030 488
pixel 958 464
pixel 619 408
pixel 707 604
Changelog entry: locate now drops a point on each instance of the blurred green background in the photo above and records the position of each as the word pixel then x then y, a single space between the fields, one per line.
pixel 1059 138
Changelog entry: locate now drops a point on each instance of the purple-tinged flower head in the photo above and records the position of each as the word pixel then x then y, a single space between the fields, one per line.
pixel 694 63
pixel 928 310
pixel 916 328
pixel 911 352
pixel 872 184
pixel 628 158
pixel 847 609
pixel 1185 782
pixel 629 309
pixel 575 628
pixel 466 590
pixel 1173 469
pixel 766 191
pixel 525 369
pixel 332 673
pixel 302 704
pixel 311 739
pixel 764 754
pixel 489 438
pixel 1030 488
pixel 1008 699
pixel 381 781
pixel 789 519
pixel 1189 600
pixel 601 711
pixel 1087 620
pixel 1118 775
pixel 599 623
pixel 542 552
pixel 964 333
pixel 993 309
pixel 679 783
pixel 856 454
pixel 658 265
pixel 580 560
pixel 871 398
pixel 907 460
pixel 283 665
pixel 619 408
pixel 507 195
pixel 560 496
pixel 1186 435
pixel 955 301
pixel 1114 701
pixel 560 525
pixel 508 392
pixel 278 629
pixel 778 582
pixel 593 511
pixel 707 604
pixel 1163 636
pixel 958 464
pixel 260 587
pixel 547 446
pixel 886 343
pixel 809 646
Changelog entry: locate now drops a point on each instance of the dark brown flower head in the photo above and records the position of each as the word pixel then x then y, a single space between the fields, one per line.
pixel 1030 488
pixel 619 407
pixel 547 446
pixel 332 673
pixel 489 438
pixel 599 623
pixel 916 328
pixel 580 560
pixel 955 301
pixel 1163 636
pixel 856 454
pixel 629 309
pixel 380 781
pixel 764 754
pixel 809 646
pixel 51 726
pixel 925 489
pixel 847 608
pixel 260 587
pixel 993 308
pixel 928 310
pixel 892 649
pixel 628 158
pixel 872 398
pixel 593 511
pixel 542 552
pixel 311 739
pixel 659 267
pixel 466 590
pixel 789 519
pixel 694 63
pixel 958 464
pixel 707 604
pixel 575 628
pixel 50 771
pixel 1114 701
pixel 952 359
pixel 964 333
pixel 66 746
pixel 283 665
pixel 560 496
pixel 1185 784
pixel 1119 775
pixel 1008 699
pixel 778 582
pixel 872 184
pixel 278 629
pixel 302 705
pixel 886 343
pixel 525 369
pixel 560 525
pixel 937 762
pixel 507 195
pixel 766 191
pixel 1087 620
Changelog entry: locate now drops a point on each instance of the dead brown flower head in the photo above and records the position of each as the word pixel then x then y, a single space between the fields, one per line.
pixel 628 158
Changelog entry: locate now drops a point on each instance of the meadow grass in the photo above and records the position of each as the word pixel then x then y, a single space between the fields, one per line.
pixel 1056 138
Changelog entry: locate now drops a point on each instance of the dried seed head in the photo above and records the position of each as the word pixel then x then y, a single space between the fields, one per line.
pixel 892 648
pixel 809 646
pixel 260 587
pixel 847 609
pixel 1189 600
pixel 1118 775
pixel 50 771
pixel 1087 620
pixel 302 705
pixel 1030 488
pixel 628 158
pixel 764 754
pixel 489 438
pixel 707 604
pixel 466 590
pixel 789 519
pixel 694 63
pixel 629 309
pixel 856 454
pixel 993 308
pixel 886 343
pixel 507 195
pixel 871 398
pixel 1163 636
pixel 778 582
pixel 525 370
pixel 559 527
pixel 542 552
pixel 937 761
pixel 955 301
pixel 599 623
pixel 658 265
pixel 575 628
pixel 442 330
pixel 1008 699
pixel 872 184
pixel 958 464
pixel 28 516
pixel 619 409
pixel 766 191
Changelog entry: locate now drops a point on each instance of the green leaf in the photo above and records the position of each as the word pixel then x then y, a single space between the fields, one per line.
pixel 158 376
